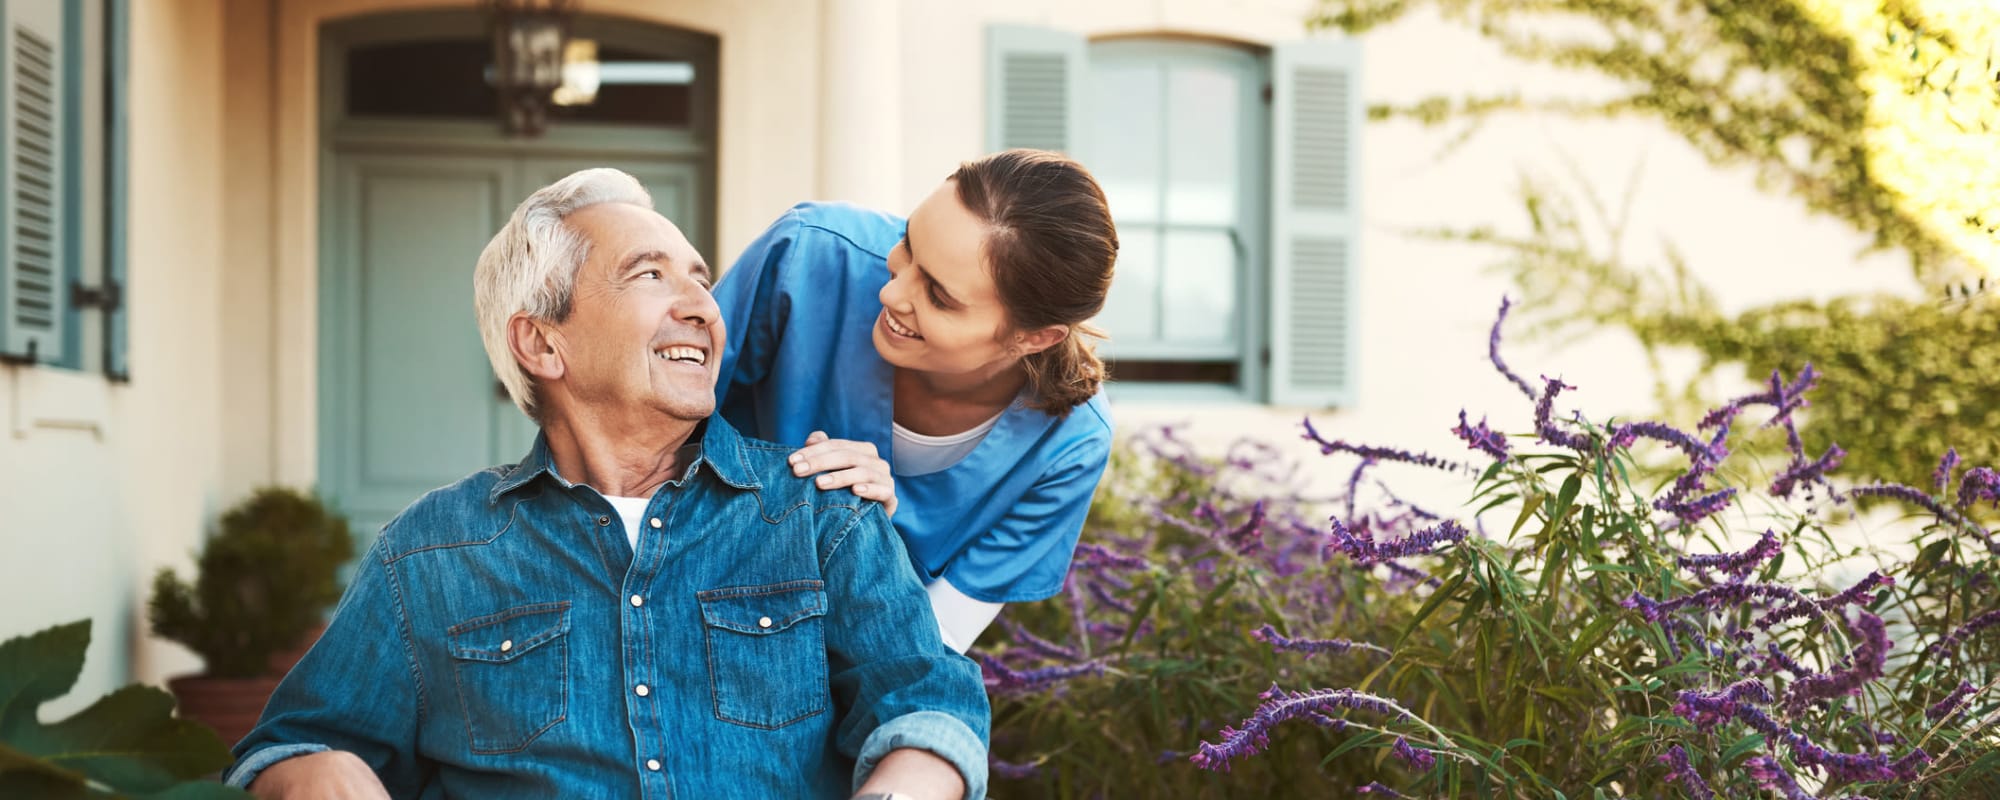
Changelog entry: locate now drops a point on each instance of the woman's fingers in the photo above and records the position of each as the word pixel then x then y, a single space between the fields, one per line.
pixel 846 464
pixel 833 454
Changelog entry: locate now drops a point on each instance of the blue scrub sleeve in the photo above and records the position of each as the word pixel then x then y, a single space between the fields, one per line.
pixel 1025 556
pixel 754 309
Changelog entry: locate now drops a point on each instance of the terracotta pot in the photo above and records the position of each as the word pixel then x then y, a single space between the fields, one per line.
pixel 284 660
pixel 229 705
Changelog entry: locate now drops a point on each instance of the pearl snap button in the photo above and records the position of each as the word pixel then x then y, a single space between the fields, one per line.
pixel 656 522
pixel 638 601
pixel 653 764
pixel 763 622
pixel 642 690
pixel 506 645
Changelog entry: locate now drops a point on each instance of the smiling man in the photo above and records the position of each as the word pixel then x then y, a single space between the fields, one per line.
pixel 648 604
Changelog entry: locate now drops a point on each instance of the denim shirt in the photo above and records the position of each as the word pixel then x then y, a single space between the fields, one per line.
pixel 502 639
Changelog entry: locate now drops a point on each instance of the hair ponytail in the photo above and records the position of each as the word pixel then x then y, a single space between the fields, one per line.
pixel 1050 246
pixel 1067 375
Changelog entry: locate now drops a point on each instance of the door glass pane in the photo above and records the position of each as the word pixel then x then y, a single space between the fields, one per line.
pixel 1132 311
pixel 1203 120
pixel 1199 276
pixel 1124 137
pixel 446 79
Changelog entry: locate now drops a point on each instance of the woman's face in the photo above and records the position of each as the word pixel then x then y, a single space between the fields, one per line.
pixel 941 312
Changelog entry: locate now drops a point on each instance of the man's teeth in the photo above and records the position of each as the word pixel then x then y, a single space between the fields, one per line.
pixel 692 355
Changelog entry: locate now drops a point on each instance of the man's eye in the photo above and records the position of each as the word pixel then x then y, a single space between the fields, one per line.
pixel 651 273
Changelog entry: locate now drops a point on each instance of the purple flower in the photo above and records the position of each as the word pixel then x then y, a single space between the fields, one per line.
pixel 1364 550
pixel 1981 483
pixel 1766 771
pixel 1479 437
pixel 1279 643
pixel 1099 556
pixel 1278 706
pixel 1038 645
pixel 1736 565
pixel 1329 446
pixel 1802 472
pixel 1942 477
pixel 1248 537
pixel 1865 664
pixel 1545 426
pixel 1000 678
pixel 1951 702
pixel 1493 350
pixel 1712 598
pixel 1681 772
pixel 1376 788
pixel 1925 502
pixel 1853 595
pixel 1961 633
pixel 1696 449
pixel 1104 598
pixel 1012 771
pixel 1691 511
pixel 1417 758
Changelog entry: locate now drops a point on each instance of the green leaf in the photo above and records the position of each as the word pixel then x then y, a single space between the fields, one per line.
pixel 127 742
pixel 1363 740
pixel 1743 745
pixel 1527 510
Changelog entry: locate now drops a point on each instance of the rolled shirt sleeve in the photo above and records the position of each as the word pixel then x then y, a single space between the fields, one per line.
pixel 894 680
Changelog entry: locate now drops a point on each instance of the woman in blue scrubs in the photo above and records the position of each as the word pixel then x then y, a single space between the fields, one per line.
pixel 954 342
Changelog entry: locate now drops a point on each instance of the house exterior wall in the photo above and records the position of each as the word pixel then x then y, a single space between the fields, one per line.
pixel 100 483
pixel 865 100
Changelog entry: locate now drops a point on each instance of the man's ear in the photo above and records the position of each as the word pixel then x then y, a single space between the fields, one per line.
pixel 1040 339
pixel 534 347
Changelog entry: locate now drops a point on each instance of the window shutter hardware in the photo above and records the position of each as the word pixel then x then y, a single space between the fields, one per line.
pixel 109 297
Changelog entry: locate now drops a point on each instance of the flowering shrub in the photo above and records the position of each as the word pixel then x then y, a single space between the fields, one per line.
pixel 1573 631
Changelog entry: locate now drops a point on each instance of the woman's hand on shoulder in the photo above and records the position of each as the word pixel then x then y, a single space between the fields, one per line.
pixel 841 463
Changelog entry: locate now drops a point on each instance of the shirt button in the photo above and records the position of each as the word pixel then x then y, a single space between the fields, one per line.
pixel 653 764
pixel 763 622
pixel 642 690
pixel 602 521
pixel 638 601
pixel 656 522
pixel 506 645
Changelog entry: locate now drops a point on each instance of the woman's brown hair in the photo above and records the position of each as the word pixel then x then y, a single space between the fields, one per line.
pixel 1050 245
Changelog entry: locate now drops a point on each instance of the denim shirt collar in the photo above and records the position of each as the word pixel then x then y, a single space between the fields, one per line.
pixel 721 450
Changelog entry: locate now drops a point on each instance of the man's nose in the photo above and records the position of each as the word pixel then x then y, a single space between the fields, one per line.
pixel 697 307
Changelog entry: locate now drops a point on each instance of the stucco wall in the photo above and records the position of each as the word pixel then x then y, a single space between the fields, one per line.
pixel 105 483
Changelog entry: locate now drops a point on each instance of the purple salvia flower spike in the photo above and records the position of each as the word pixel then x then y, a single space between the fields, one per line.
pixel 1941 478
pixel 1330 446
pixel 1736 565
pixel 1416 758
pixel 1493 351
pixel 1951 702
pixel 1280 643
pixel 1681 772
pixel 1481 438
pixel 1973 626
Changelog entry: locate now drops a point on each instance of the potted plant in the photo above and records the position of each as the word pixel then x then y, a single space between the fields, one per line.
pixel 262 585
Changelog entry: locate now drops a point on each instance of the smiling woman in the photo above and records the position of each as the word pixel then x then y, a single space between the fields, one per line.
pixel 951 345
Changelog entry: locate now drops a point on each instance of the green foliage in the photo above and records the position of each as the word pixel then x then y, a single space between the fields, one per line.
pixel 1522 672
pixel 1904 379
pixel 262 581
pixel 127 744
pixel 1777 85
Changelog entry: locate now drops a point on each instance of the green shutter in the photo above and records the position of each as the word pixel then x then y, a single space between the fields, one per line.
pixel 117 169
pixel 1315 146
pixel 35 305
pixel 1034 95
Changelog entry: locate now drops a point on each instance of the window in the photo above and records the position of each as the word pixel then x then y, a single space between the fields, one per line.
pixel 1174 131
pixel 1229 172
pixel 62 176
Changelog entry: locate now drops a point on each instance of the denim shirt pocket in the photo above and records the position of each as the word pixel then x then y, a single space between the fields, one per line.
pixel 512 670
pixel 766 652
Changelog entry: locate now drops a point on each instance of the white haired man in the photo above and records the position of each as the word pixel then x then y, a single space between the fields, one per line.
pixel 742 633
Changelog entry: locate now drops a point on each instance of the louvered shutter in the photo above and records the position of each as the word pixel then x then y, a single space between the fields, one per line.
pixel 33 297
pixel 1316 125
pixel 117 169
pixel 1034 79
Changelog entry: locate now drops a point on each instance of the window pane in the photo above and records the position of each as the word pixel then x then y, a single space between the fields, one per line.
pixel 1124 137
pixel 1200 280
pixel 1132 311
pixel 446 79
pixel 1204 118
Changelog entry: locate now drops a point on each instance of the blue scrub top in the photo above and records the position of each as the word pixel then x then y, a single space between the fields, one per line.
pixel 800 307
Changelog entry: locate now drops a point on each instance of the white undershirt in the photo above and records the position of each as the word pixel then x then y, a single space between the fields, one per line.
pixel 632 510
pixel 913 453
pixel 960 618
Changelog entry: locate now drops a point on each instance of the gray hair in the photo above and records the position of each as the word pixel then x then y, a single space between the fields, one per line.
pixel 530 266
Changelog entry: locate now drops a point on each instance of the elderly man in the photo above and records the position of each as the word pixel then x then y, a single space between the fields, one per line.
pixel 742 633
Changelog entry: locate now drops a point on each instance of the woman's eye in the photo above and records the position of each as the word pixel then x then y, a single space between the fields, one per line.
pixel 930 288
